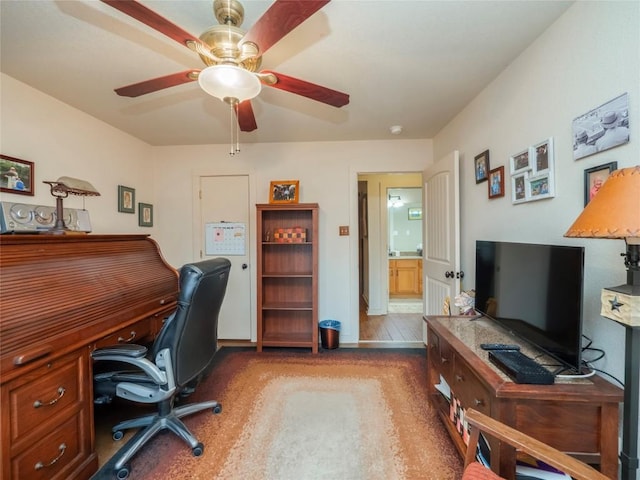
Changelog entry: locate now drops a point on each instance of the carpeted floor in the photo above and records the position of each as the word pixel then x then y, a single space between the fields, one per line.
pixel 346 414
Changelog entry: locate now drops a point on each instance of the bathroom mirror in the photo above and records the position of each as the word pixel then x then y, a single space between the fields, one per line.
pixel 404 208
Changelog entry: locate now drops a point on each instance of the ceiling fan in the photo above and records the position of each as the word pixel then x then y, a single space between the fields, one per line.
pixel 232 56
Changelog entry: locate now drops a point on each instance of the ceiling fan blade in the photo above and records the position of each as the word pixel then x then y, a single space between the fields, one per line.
pixel 282 17
pixel 307 89
pixel 152 19
pixel 160 83
pixel 246 118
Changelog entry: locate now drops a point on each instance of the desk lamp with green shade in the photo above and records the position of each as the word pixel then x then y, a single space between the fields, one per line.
pixel 615 213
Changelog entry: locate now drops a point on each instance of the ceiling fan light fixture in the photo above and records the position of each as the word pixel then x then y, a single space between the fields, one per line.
pixel 229 83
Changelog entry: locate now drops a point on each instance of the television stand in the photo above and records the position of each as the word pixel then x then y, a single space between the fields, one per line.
pixel 575 416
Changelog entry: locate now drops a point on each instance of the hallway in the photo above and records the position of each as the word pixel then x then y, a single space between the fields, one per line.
pixel 396 326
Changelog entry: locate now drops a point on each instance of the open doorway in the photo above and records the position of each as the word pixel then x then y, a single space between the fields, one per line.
pixel 390 258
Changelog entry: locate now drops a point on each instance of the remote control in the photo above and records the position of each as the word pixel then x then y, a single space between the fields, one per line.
pixel 499 346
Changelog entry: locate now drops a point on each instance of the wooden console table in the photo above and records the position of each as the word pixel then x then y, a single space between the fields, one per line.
pixel 576 416
pixel 63 296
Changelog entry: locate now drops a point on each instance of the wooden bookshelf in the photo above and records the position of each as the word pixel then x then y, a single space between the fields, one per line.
pixel 287 277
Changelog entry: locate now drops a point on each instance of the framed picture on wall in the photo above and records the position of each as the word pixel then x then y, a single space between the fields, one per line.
pixel 145 215
pixel 595 177
pixel 284 191
pixel 542 152
pixel 520 162
pixel 415 213
pixel 496 182
pixel 482 166
pixel 16 176
pixel 126 199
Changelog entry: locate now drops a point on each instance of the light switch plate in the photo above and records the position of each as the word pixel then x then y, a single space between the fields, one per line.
pixel 344 230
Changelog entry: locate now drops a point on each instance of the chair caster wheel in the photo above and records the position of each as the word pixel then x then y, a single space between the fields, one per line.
pixel 217 409
pixel 198 450
pixel 117 435
pixel 123 472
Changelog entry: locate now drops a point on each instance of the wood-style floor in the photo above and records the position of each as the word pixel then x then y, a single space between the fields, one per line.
pixel 393 327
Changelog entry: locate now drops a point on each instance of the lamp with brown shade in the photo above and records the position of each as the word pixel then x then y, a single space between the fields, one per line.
pixel 615 213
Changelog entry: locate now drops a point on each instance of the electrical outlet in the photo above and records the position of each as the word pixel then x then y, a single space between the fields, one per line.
pixel 344 230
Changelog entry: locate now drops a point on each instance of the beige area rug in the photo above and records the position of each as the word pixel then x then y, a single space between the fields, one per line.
pixel 346 414
pixel 405 306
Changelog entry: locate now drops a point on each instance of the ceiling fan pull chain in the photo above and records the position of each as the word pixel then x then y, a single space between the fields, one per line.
pixel 231 152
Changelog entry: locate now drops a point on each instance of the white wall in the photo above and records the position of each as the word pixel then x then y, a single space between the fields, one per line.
pixel 327 172
pixel 63 141
pixel 588 57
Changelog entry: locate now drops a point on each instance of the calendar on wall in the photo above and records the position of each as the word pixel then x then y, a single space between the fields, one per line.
pixel 225 238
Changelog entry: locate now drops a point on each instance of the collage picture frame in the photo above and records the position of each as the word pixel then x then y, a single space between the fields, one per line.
pixel 532 173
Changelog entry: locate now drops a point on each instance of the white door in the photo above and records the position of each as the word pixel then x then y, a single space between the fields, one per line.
pixel 216 193
pixel 441 252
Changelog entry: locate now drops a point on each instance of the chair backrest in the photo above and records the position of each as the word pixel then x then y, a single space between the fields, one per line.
pixel 191 332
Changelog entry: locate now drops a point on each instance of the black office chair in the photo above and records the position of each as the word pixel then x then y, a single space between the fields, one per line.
pixel 178 357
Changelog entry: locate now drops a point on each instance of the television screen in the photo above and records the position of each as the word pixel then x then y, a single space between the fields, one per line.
pixel 535 291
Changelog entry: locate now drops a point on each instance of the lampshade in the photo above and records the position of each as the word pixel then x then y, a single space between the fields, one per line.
pixel 229 83
pixel 615 211
pixel 61 189
pixel 65 185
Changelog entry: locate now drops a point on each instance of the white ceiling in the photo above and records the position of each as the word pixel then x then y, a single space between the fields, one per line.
pixel 412 63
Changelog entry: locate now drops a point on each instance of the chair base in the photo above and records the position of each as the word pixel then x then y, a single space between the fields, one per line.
pixel 151 424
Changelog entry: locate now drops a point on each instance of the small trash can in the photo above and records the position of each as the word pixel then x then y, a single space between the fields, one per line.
pixel 330 334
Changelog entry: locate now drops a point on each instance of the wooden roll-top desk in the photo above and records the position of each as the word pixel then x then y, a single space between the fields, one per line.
pixel 61 296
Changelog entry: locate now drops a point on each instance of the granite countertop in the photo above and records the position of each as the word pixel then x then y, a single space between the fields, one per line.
pixel 474 331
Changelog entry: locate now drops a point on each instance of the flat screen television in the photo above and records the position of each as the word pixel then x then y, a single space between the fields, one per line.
pixel 535 292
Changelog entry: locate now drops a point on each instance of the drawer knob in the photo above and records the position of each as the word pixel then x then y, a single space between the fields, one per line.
pixel 444 360
pixel 127 340
pixel 38 403
pixel 459 378
pixel 40 465
pixel 479 402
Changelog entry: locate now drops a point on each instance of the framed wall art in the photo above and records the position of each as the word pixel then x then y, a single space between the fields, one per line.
pixel 145 215
pixel 284 191
pixel 520 162
pixel 16 176
pixel 542 153
pixel 415 213
pixel 595 177
pixel 601 128
pixel 126 199
pixel 496 182
pixel 519 188
pixel 482 166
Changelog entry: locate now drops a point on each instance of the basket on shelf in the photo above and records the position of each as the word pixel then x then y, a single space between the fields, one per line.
pixel 290 235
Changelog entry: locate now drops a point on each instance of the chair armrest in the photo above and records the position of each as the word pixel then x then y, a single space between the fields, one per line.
pixel 527 444
pixel 126 349
pixel 133 355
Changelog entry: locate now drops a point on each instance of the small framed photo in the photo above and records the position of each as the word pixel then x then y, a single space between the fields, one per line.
pixel 126 199
pixel 595 177
pixel 16 176
pixel 145 215
pixel 519 187
pixel 284 191
pixel 496 182
pixel 520 162
pixel 542 159
pixel 540 186
pixel 482 166
pixel 415 213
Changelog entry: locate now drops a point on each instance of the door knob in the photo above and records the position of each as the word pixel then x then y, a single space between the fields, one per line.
pixel 449 274
pixel 245 266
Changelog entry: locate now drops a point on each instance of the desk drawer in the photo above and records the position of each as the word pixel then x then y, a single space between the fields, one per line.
pixel 138 332
pixel 45 394
pixel 468 388
pixel 53 457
